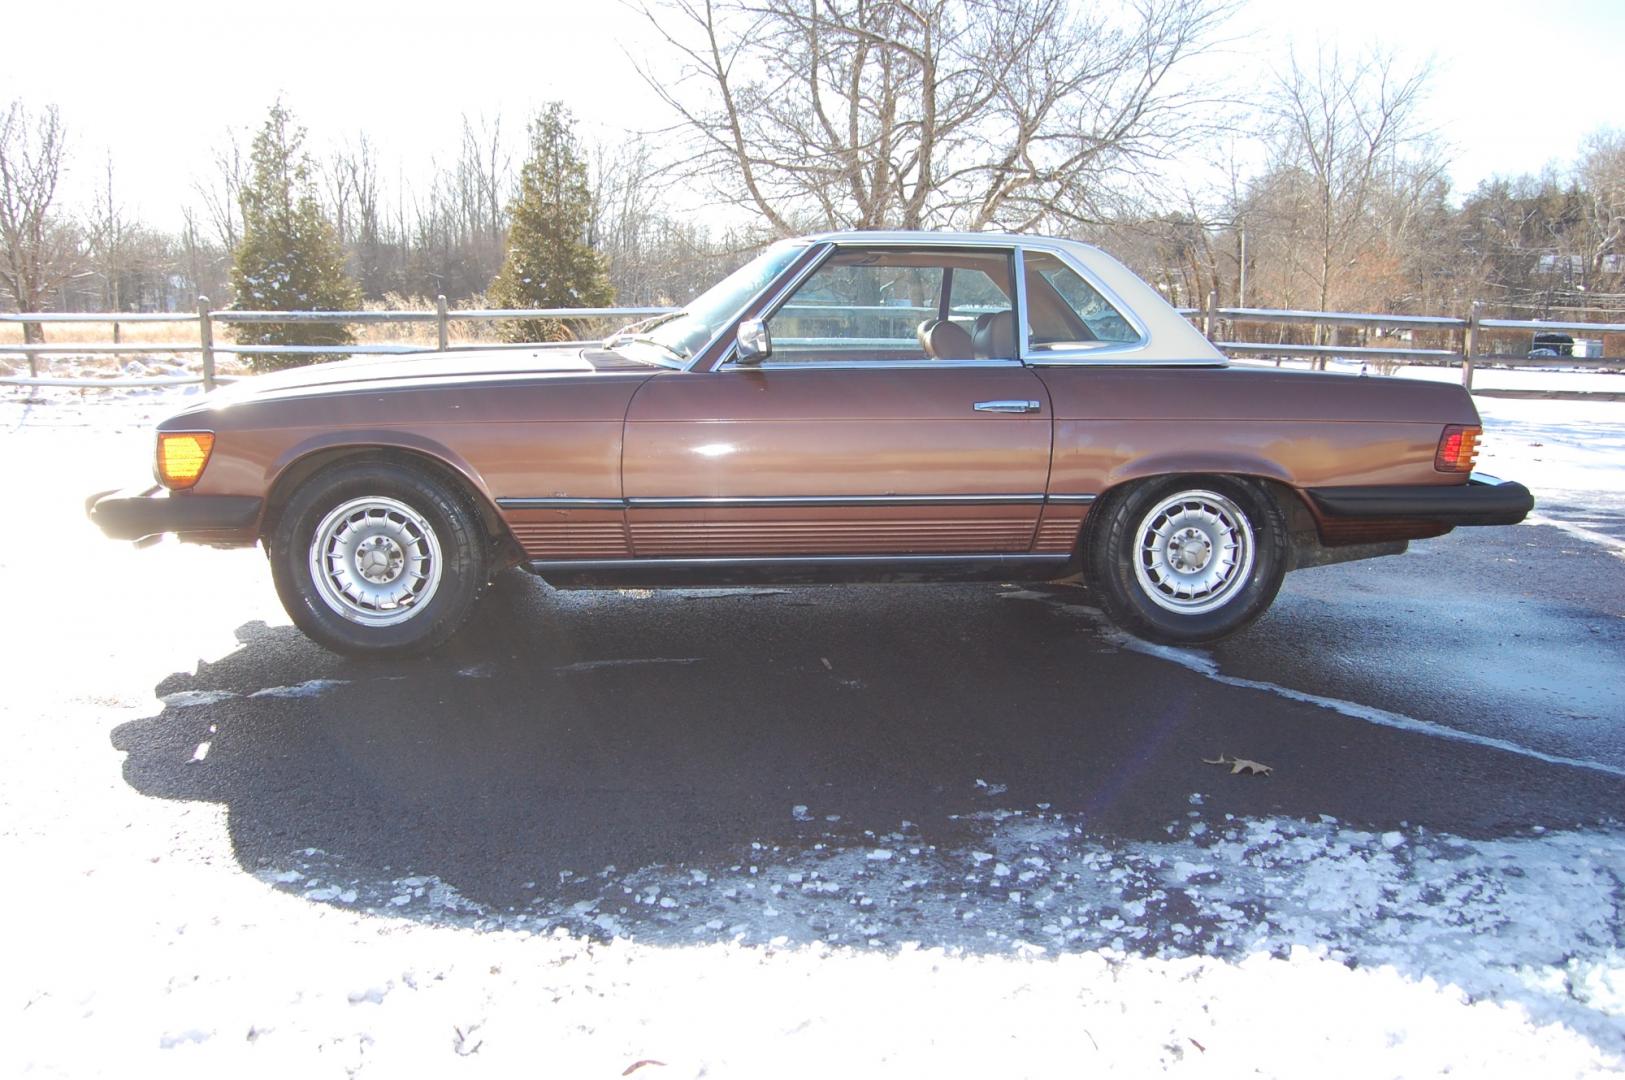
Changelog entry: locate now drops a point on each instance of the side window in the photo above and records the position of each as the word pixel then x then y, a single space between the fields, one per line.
pixel 1065 312
pixel 978 305
pixel 897 304
pixel 852 310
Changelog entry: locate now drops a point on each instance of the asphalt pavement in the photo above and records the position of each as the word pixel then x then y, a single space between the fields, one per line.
pixel 564 732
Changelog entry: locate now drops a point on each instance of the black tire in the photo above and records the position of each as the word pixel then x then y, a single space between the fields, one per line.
pixel 1222 538
pixel 423 530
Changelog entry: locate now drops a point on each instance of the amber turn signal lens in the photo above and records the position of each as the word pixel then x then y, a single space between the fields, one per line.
pixel 181 457
pixel 1458 449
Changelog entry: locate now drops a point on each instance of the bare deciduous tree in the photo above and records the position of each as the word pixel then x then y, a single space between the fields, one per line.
pixel 207 264
pixel 925 113
pixel 39 248
pixel 1601 176
pixel 116 243
pixel 461 225
pixel 352 193
pixel 223 190
pixel 656 255
pixel 1342 128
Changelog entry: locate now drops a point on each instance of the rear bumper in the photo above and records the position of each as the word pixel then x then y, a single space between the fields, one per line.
pixel 136 514
pixel 1483 500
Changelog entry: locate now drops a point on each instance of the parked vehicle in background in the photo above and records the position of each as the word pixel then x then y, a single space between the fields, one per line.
pixel 854 406
pixel 1552 343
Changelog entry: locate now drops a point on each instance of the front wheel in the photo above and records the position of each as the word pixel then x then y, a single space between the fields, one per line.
pixel 373 558
pixel 1183 560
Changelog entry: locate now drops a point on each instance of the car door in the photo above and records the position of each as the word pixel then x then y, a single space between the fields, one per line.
pixel 871 430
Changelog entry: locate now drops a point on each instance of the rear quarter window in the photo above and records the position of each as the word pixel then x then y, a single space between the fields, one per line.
pixel 1066 312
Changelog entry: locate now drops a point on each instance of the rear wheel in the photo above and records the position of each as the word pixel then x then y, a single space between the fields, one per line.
pixel 1188 559
pixel 375 558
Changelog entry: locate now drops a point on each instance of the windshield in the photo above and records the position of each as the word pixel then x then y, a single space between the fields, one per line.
pixel 683 334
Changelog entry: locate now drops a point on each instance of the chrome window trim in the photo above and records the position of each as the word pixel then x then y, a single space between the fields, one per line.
pixel 1020 285
pixel 772 305
pixel 560 504
pixel 779 300
pixel 1115 354
pixel 1118 361
pixel 1115 350
pixel 746 501
pixel 865 365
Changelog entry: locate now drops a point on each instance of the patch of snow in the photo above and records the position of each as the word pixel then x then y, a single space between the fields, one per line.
pixel 309 688
pixel 595 665
pixel 182 699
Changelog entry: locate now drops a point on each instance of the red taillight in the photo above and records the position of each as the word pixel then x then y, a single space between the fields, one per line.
pixel 1458 448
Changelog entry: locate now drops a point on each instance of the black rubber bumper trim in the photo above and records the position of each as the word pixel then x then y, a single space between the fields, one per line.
pixel 134 515
pixel 1483 500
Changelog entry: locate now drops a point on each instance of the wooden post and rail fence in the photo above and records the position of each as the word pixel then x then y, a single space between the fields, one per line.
pixel 1469 334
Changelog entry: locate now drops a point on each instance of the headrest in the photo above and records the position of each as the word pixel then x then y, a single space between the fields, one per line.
pixel 994 336
pixel 943 340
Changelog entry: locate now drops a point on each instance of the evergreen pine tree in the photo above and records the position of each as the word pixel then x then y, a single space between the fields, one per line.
pixel 289 258
pixel 549 263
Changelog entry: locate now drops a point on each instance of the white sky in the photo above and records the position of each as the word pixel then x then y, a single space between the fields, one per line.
pixel 1517 85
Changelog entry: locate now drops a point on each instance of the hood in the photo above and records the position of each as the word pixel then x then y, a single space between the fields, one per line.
pixel 421 371
pixel 415 368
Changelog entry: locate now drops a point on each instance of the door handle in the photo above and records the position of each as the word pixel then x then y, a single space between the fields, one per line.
pixel 1007 406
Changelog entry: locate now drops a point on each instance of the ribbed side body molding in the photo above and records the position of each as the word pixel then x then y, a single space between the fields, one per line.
pixel 1057 534
pixel 831 536
pixel 741 502
pixel 563 528
pixel 572 539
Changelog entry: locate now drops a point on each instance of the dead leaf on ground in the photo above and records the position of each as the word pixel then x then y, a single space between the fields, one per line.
pixel 1240 765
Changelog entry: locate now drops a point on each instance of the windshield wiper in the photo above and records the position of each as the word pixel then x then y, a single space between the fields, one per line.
pixel 633 331
pixel 646 339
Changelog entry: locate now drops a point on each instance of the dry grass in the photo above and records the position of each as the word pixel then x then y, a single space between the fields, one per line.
pixel 149 338
pixel 184 330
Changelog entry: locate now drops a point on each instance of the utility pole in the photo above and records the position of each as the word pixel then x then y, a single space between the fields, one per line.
pixel 1241 290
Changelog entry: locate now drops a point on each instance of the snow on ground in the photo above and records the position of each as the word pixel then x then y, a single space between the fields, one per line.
pixel 1029 946
pixel 1233 948
pixel 123 370
pixel 1532 921
pixel 1570 453
pixel 1523 380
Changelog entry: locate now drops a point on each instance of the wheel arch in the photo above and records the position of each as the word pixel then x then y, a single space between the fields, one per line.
pixel 307 460
pixel 1271 481
pixel 1112 569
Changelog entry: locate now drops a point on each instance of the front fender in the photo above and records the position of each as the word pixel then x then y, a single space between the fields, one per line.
pixel 302 459
pixel 374 439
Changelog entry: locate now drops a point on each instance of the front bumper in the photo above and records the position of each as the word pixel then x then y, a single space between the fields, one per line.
pixel 1483 500
pixel 136 514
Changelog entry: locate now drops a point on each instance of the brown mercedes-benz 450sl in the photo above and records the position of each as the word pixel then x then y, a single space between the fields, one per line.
pixel 859 406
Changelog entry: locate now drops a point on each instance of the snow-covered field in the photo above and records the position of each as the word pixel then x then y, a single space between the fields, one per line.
pixel 1033 946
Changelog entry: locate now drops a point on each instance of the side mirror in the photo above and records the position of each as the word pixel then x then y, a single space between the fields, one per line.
pixel 753 345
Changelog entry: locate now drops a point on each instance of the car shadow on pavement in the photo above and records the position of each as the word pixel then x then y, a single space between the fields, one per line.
pixel 568 742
